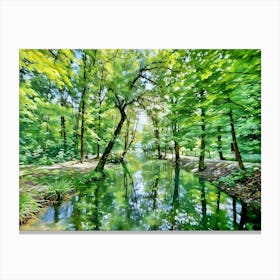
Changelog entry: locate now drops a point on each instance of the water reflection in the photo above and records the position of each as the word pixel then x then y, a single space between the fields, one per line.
pixel 148 195
pixel 217 209
pixel 203 205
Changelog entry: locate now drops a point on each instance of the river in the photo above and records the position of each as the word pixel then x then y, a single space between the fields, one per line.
pixel 146 195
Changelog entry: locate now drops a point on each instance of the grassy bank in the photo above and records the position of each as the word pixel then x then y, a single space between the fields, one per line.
pixel 32 199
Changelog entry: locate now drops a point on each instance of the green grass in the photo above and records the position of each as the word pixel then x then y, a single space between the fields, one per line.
pixel 58 190
pixel 28 206
pixel 254 158
pixel 236 176
pixel 32 200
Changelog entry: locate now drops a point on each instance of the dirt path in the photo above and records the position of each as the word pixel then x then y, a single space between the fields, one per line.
pixel 68 165
pixel 214 168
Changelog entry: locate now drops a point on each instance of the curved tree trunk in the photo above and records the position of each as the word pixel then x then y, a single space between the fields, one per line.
pixel 128 142
pixel 103 159
pixel 126 139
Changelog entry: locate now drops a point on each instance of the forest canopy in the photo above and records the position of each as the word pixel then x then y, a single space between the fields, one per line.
pixel 80 102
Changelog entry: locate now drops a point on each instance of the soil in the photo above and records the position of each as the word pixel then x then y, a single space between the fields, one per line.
pixel 74 165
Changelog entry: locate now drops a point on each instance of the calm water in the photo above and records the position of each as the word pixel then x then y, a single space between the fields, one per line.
pixel 147 195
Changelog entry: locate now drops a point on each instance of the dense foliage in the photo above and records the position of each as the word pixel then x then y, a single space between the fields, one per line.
pixel 75 103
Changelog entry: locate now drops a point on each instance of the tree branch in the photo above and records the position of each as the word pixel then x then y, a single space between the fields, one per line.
pixel 144 77
pixel 53 54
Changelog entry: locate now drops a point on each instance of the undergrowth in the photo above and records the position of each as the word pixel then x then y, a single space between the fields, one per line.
pixel 236 176
pixel 28 206
pixel 58 190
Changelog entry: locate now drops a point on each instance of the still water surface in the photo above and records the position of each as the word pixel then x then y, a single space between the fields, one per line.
pixel 145 195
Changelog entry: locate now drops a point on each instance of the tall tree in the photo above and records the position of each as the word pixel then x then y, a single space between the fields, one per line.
pixel 126 70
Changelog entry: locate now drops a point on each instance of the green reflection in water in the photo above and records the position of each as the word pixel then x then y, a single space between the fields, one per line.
pixel 145 195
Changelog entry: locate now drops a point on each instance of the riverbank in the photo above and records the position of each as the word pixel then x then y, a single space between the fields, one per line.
pixel 41 186
pixel 247 189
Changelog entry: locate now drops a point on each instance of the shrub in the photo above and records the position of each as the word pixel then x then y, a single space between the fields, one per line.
pixel 58 190
pixel 236 176
pixel 28 206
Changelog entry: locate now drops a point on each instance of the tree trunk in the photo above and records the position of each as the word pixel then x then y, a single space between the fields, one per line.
pixel 82 150
pixel 201 165
pixel 128 142
pixel 158 144
pixel 62 123
pixel 220 150
pixel 63 132
pixel 177 152
pixel 76 133
pixel 103 159
pixel 175 131
pixel 99 121
pixel 99 129
pixel 156 133
pixel 126 138
pixel 234 142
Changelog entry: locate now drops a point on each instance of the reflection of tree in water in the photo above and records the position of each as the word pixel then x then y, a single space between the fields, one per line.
pixel 130 202
pixel 240 218
pixel 203 204
pixel 221 218
pixel 76 216
pixel 128 181
pixel 155 226
pixel 175 198
pixel 217 209
pixel 235 224
pixel 176 186
pixel 85 215
pixel 56 212
pixel 251 218
pixel 155 192
pixel 95 215
pixel 150 205
pixel 151 196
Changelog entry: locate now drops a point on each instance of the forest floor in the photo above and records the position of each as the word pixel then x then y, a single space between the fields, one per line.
pixel 248 190
pixel 68 165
